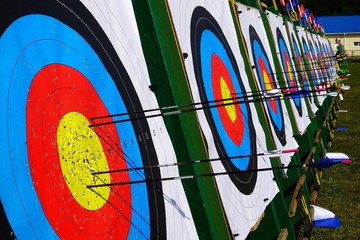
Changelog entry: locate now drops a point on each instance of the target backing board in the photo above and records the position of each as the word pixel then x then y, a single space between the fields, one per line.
pixel 261 58
pixel 215 71
pixel 285 56
pixel 64 63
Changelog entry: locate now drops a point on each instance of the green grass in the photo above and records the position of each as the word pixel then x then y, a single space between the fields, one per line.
pixel 340 188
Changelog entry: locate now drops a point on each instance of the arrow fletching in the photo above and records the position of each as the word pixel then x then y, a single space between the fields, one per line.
pixel 330 160
pixel 272 93
pixel 345 87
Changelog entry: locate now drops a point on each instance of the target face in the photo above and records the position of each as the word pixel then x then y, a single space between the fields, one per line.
pixel 315 51
pixel 326 60
pixel 267 82
pixel 309 61
pixel 330 60
pixel 322 59
pixel 71 151
pixel 54 82
pixel 218 78
pixel 299 62
pixel 289 69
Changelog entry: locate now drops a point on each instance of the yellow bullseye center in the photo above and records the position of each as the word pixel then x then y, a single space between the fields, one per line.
pixel 289 71
pixel 225 93
pixel 80 153
pixel 266 81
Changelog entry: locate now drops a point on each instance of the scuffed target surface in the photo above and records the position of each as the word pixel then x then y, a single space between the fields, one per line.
pixel 65 80
pixel 60 69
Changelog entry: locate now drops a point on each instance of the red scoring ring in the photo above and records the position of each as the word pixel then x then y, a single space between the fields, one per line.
pixel 57 90
pixel 308 55
pixel 288 71
pixel 304 76
pixel 235 130
pixel 270 84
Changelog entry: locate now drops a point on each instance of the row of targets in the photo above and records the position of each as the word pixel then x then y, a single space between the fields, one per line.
pixel 133 119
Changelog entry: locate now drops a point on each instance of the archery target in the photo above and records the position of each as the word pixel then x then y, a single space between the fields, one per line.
pixel 287 66
pixel 298 56
pixel 300 64
pixel 319 76
pixel 251 26
pixel 57 85
pixel 323 59
pixel 316 56
pixel 326 61
pixel 215 70
pixel 267 82
pixel 289 69
pixel 315 49
pixel 312 64
pixel 331 56
pixel 329 61
pixel 291 76
pixel 261 58
pixel 308 50
pixel 218 78
pixel 54 82
pixel 306 65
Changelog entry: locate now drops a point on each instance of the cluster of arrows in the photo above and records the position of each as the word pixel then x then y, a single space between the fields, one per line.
pixel 326 162
pixel 165 119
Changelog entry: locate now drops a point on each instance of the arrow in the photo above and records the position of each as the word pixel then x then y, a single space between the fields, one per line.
pixel 273 153
pixel 301 85
pixel 333 94
pixel 178 111
pixel 328 162
pixel 268 95
pixel 323 163
pixel 344 87
pixel 258 94
pixel 302 71
pixel 303 91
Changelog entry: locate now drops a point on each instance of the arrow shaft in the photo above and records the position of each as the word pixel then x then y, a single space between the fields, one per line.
pixel 205 107
pixel 194 176
pixel 257 93
pixel 244 95
pixel 272 153
pixel 324 163
pixel 176 111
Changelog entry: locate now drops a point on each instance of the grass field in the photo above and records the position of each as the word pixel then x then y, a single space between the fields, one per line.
pixel 340 189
